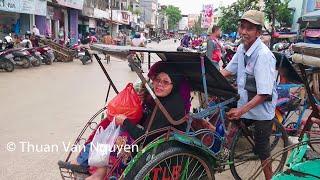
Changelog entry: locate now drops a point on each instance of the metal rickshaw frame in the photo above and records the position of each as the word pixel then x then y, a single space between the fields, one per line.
pixel 213 83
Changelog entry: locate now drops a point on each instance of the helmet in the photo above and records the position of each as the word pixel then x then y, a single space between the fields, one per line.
pixel 8 39
pixel 137 35
pixel 28 33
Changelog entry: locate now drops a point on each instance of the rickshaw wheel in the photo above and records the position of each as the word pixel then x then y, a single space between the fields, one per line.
pixel 315 133
pixel 179 163
pixel 245 162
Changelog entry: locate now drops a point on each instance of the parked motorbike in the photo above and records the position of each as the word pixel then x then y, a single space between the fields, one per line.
pixel 47 54
pixel 6 61
pixel 230 50
pixel 37 57
pixel 85 55
pixel 22 57
pixel 136 60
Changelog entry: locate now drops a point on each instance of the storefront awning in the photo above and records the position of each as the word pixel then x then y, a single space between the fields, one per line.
pixel 311 16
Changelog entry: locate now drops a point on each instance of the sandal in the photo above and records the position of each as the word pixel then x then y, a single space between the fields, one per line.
pixel 73 167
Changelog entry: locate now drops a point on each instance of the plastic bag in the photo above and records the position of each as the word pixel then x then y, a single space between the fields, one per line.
pixel 102 145
pixel 128 103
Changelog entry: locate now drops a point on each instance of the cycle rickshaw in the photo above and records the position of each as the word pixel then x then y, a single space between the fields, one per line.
pixel 205 147
pixel 304 159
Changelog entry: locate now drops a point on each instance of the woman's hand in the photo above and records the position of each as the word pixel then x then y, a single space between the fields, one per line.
pixel 141 96
pixel 120 119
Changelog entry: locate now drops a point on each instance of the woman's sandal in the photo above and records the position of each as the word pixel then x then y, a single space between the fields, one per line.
pixel 73 167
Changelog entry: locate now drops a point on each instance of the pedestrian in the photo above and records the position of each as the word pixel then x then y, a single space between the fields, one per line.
pixel 107 39
pixel 214 47
pixel 35 30
pixel 255 66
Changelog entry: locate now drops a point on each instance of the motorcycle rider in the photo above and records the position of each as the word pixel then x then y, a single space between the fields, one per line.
pixel 8 41
pixel 137 41
pixel 26 42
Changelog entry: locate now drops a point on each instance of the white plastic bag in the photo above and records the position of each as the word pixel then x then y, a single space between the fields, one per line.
pixel 102 145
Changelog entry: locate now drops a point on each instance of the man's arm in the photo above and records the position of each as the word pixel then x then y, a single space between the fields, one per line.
pixel 236 113
pixel 232 67
pixel 225 73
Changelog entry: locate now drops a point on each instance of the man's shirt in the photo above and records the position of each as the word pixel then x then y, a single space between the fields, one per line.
pixel 261 63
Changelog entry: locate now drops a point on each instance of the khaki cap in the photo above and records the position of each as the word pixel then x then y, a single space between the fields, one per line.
pixel 254 16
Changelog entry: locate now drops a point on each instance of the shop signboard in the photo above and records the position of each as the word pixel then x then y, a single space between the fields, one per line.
pixel 76 4
pixel 87 11
pixel 207 15
pixel 100 14
pixel 125 17
pixel 37 7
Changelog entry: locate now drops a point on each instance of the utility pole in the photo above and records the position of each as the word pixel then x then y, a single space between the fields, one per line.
pixel 111 25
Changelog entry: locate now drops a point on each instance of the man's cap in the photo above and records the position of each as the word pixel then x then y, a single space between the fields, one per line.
pixel 254 16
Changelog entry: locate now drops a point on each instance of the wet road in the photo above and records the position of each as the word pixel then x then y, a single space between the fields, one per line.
pixel 43 110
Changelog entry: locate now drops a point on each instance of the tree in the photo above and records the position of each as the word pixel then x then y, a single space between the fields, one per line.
pixel 196 29
pixel 276 11
pixel 231 14
pixel 174 16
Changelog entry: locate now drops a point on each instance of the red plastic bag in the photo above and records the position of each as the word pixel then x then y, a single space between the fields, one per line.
pixel 128 103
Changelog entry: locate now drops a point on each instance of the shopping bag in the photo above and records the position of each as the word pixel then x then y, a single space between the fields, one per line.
pixel 102 145
pixel 128 103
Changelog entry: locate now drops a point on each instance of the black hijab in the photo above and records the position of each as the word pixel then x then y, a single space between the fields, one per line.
pixel 173 103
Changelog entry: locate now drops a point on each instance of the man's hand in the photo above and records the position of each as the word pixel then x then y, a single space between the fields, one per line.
pixel 225 73
pixel 119 119
pixel 235 113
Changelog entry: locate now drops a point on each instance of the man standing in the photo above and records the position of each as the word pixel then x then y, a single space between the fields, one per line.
pixel 254 65
pixel 214 48
pixel 35 30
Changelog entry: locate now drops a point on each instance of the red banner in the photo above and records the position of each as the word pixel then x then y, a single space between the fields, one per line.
pixel 312 33
pixel 317 4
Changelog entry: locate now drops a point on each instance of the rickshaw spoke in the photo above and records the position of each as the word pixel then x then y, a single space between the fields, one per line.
pixel 185 171
pixel 147 177
pixel 169 167
pixel 193 169
pixel 196 169
pixel 201 174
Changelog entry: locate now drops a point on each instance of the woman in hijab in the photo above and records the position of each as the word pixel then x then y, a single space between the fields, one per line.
pixel 166 85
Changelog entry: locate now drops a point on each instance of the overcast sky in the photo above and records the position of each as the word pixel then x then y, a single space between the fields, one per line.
pixel 193 6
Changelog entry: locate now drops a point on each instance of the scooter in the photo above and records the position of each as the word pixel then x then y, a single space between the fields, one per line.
pixel 6 61
pixel 84 55
pixel 22 57
pixel 229 53
pixel 37 57
pixel 47 54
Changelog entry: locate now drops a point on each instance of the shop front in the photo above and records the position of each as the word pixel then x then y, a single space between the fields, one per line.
pixel 64 21
pixel 18 16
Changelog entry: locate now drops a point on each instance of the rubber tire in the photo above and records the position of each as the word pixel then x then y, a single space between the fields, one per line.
pixel 273 145
pixel 169 152
pixel 26 65
pixel 10 65
pixel 36 63
pixel 47 60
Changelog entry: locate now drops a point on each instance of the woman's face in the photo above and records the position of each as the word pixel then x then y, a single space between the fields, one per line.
pixel 162 85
